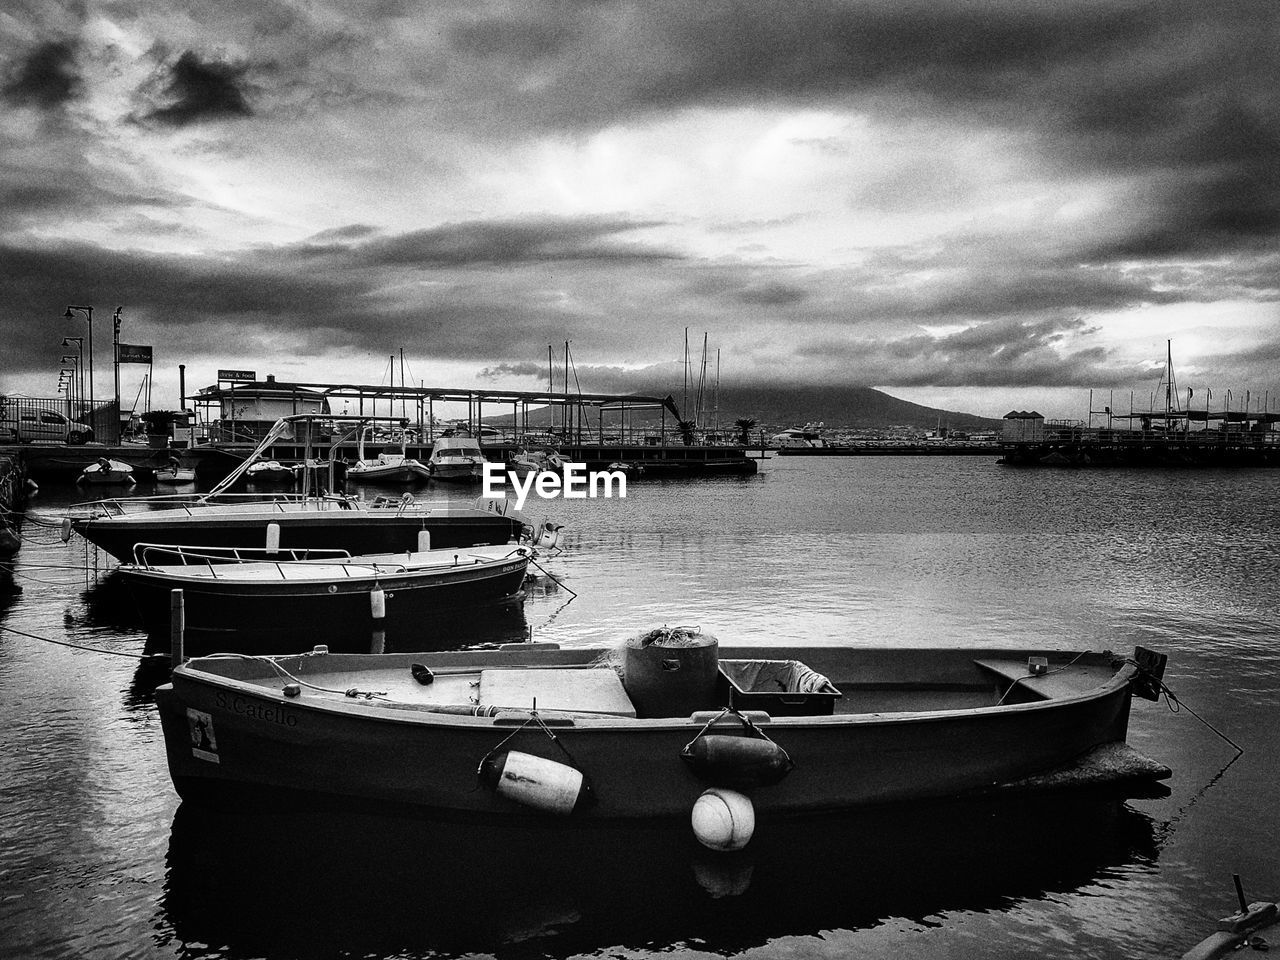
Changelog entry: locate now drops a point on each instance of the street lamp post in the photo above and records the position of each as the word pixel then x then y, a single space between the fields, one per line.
pixel 89 313
pixel 78 342
pixel 67 383
pixel 115 353
pixel 75 375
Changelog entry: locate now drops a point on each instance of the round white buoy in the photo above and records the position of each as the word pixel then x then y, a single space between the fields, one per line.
pixel 723 819
pixel 378 602
pixel 424 540
pixel 273 538
pixel 65 532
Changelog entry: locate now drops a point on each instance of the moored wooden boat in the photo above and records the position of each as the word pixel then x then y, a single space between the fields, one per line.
pixel 174 474
pixel 105 472
pixel 359 527
pixel 285 592
pixel 419 729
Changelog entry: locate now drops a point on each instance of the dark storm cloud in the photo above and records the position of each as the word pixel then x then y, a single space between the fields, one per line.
pixel 338 295
pixel 67 189
pixel 996 354
pixel 194 90
pixel 515 241
pixel 1175 98
pixel 773 294
pixel 352 231
pixel 47 78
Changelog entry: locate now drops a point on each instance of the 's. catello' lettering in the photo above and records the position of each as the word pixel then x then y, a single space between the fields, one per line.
pixel 255 710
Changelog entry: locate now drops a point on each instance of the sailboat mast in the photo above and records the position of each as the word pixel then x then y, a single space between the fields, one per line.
pixel 716 418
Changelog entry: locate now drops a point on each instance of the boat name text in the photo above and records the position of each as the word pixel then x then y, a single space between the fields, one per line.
pixel 265 712
pixel 576 483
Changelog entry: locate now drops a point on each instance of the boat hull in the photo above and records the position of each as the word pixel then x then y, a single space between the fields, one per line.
pixel 405 757
pixel 456 472
pixel 402 473
pixel 320 610
pixel 358 532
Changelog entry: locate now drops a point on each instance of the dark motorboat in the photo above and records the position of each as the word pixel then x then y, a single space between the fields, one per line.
pixel 329 596
pixel 381 525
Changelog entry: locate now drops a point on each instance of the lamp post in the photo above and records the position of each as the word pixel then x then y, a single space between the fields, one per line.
pixel 78 342
pixel 88 311
pixel 115 354
pixel 67 382
pixel 74 373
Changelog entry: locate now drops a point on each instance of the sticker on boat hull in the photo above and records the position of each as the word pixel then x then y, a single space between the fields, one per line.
pixel 204 744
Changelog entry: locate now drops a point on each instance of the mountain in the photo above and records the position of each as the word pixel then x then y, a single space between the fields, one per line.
pixel 776 408
pixel 853 408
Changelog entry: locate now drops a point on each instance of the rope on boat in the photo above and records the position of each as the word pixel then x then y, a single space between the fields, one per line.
pixel 558 583
pixel 1033 676
pixel 1176 704
pixel 533 718
pixel 351 692
pixel 81 646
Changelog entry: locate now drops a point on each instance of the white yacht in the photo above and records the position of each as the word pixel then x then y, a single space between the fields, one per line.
pixel 456 459
pixel 810 435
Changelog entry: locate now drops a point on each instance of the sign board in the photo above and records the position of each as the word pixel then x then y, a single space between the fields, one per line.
pixel 133 353
pixel 237 375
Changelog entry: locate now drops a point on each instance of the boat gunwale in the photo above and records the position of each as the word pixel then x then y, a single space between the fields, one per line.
pixel 326 569
pixel 413 714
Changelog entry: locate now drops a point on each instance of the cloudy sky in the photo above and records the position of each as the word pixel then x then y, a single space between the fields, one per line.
pixel 973 204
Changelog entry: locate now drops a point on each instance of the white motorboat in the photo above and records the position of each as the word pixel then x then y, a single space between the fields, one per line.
pixel 387 467
pixel 457 460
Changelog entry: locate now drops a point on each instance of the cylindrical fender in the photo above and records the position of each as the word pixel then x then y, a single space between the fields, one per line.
pixel 737 761
pixel 536 782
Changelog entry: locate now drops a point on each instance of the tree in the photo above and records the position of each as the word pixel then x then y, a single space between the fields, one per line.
pixel 686 428
pixel 744 425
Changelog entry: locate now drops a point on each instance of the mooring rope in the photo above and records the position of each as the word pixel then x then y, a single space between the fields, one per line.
pixel 81 646
pixel 558 583
pixel 1176 704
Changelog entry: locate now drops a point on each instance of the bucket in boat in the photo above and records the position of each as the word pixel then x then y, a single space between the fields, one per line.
pixel 671 672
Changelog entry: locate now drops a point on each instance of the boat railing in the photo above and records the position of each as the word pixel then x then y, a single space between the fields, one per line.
pixel 117 506
pixel 142 552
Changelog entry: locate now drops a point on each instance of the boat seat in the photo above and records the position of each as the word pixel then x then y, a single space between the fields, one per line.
pixel 571 689
pixel 1047 686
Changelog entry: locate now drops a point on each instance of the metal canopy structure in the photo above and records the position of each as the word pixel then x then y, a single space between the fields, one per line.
pixel 577 410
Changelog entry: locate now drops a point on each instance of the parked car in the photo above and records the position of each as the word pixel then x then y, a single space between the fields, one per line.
pixel 24 421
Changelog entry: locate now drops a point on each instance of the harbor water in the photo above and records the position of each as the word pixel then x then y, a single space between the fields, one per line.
pixel 99 859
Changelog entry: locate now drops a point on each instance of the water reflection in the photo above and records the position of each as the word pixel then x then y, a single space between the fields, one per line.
pixel 108 603
pixel 314 884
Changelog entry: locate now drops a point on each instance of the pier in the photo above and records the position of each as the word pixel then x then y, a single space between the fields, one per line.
pixel 1162 439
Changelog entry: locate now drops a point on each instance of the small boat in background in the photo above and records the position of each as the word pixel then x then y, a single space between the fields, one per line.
pixel 808 436
pixel 105 472
pixel 525 462
pixel 387 466
pixel 456 460
pixel 266 472
pixel 174 474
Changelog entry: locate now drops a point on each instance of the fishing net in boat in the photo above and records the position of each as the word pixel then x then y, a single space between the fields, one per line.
pixel 783 676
